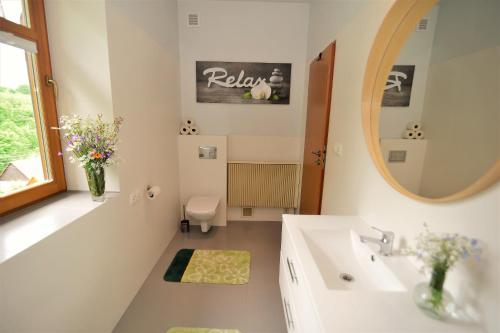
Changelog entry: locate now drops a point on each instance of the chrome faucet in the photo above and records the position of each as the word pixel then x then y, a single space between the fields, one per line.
pixel 385 242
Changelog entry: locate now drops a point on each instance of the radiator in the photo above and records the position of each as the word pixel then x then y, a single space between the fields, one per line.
pixel 268 185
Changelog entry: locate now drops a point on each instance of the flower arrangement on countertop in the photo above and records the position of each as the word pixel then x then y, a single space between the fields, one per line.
pixel 444 250
pixel 439 253
pixel 93 144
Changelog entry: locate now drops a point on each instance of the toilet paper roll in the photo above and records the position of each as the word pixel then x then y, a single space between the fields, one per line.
pixel 189 122
pixel 420 134
pixel 414 125
pixel 194 130
pixel 184 130
pixel 410 134
pixel 153 192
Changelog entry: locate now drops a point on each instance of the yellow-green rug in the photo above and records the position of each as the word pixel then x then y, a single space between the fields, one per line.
pixel 199 330
pixel 209 266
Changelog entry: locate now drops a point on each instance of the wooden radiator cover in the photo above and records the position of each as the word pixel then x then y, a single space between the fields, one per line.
pixel 266 185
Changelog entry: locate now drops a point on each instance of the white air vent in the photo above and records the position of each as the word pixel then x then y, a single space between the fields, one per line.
pixel 423 24
pixel 193 20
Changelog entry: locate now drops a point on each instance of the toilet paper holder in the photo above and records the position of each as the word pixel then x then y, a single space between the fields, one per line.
pixel 152 192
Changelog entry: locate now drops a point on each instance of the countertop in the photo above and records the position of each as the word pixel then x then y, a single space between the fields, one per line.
pixel 26 227
pixel 363 311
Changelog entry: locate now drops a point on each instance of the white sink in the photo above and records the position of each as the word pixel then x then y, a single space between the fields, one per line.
pixel 318 250
pixel 340 255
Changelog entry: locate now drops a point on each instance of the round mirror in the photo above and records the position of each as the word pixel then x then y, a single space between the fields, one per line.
pixel 432 98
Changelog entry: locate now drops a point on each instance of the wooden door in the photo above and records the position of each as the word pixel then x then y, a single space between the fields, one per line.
pixel 318 115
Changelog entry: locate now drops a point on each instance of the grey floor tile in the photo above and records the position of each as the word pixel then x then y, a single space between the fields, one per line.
pixel 251 308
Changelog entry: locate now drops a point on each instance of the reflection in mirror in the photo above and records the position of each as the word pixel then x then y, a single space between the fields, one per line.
pixel 440 118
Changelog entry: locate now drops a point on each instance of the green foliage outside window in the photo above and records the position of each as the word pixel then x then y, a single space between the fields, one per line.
pixel 18 135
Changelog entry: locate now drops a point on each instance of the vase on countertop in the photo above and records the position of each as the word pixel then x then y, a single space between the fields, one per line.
pixel 96 182
pixel 93 144
pixel 432 298
pixel 440 252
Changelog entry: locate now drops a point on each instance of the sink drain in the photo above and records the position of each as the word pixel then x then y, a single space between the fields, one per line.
pixel 347 277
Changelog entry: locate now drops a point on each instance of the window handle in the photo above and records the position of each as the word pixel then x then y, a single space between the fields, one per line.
pixel 49 80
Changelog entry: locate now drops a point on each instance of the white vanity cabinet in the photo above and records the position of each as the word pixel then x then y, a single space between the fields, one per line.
pixel 300 313
pixel 315 249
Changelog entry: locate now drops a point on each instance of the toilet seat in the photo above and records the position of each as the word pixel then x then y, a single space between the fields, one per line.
pixel 203 209
pixel 202 205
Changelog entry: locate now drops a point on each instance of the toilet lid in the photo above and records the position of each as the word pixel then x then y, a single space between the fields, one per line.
pixel 202 204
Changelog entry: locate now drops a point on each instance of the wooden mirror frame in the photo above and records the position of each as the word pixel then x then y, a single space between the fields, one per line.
pixel 398 25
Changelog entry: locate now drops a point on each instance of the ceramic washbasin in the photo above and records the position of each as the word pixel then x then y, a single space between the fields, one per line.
pixel 345 263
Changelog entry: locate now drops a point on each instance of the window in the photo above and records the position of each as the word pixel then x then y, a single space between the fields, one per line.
pixel 30 166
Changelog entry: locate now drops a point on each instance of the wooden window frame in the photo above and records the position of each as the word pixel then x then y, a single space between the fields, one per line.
pixel 37 32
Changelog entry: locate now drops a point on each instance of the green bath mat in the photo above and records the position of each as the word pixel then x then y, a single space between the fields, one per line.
pixel 209 266
pixel 199 330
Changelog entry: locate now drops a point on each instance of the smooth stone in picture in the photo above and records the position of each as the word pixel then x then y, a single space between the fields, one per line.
pixel 276 79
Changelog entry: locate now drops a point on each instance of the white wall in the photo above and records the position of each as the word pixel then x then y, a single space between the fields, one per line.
pixel 462 104
pixel 326 19
pixel 80 65
pixel 203 176
pixel 462 115
pixel 82 278
pixel 263 148
pixel 253 32
pixel 354 186
pixel 244 31
pixel 409 172
pixel 416 51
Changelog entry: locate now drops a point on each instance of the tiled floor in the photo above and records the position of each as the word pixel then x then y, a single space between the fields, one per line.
pixel 251 308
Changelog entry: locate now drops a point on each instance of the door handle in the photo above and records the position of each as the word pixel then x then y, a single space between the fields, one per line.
pixel 288 315
pixel 291 269
pixel 294 273
pixel 317 153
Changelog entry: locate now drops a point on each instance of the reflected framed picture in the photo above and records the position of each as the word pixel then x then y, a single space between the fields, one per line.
pixel 397 91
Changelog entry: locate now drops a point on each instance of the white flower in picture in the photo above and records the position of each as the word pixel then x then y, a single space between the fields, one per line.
pixel 261 91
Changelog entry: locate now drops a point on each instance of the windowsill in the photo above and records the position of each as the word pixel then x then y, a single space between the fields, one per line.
pixel 25 228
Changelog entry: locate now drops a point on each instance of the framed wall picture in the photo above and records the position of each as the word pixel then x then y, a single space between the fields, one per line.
pixel 243 82
pixel 398 87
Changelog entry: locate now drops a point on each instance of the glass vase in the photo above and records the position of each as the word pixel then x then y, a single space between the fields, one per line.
pixel 96 182
pixel 432 298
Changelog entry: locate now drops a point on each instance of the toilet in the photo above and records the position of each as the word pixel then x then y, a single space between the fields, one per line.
pixel 203 209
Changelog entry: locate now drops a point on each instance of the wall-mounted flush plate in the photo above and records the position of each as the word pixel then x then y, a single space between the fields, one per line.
pixel 397 156
pixel 207 152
